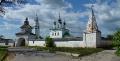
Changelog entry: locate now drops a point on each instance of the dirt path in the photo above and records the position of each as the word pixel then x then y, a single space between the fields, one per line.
pixel 107 55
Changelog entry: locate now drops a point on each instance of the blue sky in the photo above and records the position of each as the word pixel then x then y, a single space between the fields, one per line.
pixel 74 12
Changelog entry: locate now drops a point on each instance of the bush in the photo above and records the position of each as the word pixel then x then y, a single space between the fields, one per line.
pixel 116 41
pixel 49 42
pixel 117 52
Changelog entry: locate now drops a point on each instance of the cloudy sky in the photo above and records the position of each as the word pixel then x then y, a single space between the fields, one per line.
pixel 74 12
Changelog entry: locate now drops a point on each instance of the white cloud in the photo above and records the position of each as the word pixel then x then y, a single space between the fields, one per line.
pixel 8 26
pixel 47 11
pixel 106 15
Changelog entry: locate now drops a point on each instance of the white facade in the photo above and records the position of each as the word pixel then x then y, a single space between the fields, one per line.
pixel 37 43
pixel 59 43
pixel 2 44
pixel 92 39
pixel 69 43
pixel 56 34
pixel 88 43
pixel 7 43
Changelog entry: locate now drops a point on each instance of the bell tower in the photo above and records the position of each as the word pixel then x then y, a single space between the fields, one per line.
pixel 26 28
pixel 92 24
pixel 92 35
pixel 37 28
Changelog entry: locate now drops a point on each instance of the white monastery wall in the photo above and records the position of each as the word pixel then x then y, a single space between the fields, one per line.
pixel 2 44
pixel 69 43
pixel 37 43
pixel 59 43
pixel 10 44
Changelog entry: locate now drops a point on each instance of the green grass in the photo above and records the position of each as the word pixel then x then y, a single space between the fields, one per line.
pixel 3 52
pixel 81 51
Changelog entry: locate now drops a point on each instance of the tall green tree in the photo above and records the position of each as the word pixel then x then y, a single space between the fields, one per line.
pixel 110 37
pixel 116 42
pixel 116 39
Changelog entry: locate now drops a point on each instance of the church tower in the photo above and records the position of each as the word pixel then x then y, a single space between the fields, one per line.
pixel 59 29
pixel 23 37
pixel 92 35
pixel 92 24
pixel 37 28
pixel 26 28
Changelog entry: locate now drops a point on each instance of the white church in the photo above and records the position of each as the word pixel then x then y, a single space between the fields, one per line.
pixel 61 35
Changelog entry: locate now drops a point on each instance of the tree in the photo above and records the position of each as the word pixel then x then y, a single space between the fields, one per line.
pixel 116 39
pixel 116 42
pixel 4 3
pixel 2 37
pixel 49 42
pixel 110 37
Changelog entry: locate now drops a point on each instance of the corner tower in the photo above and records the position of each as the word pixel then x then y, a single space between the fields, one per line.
pixel 92 24
pixel 92 35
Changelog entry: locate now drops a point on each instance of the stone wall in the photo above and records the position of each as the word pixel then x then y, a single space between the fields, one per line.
pixel 59 43
pixel 103 43
pixel 4 44
pixel 36 43
pixel 69 43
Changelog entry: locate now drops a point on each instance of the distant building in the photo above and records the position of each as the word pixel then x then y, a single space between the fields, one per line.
pixel 61 36
pixel 6 42
pixel 37 28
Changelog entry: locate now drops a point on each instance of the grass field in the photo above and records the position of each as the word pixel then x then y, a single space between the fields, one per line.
pixel 3 52
pixel 81 51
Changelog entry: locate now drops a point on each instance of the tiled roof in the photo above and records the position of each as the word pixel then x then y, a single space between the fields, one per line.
pixel 26 26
